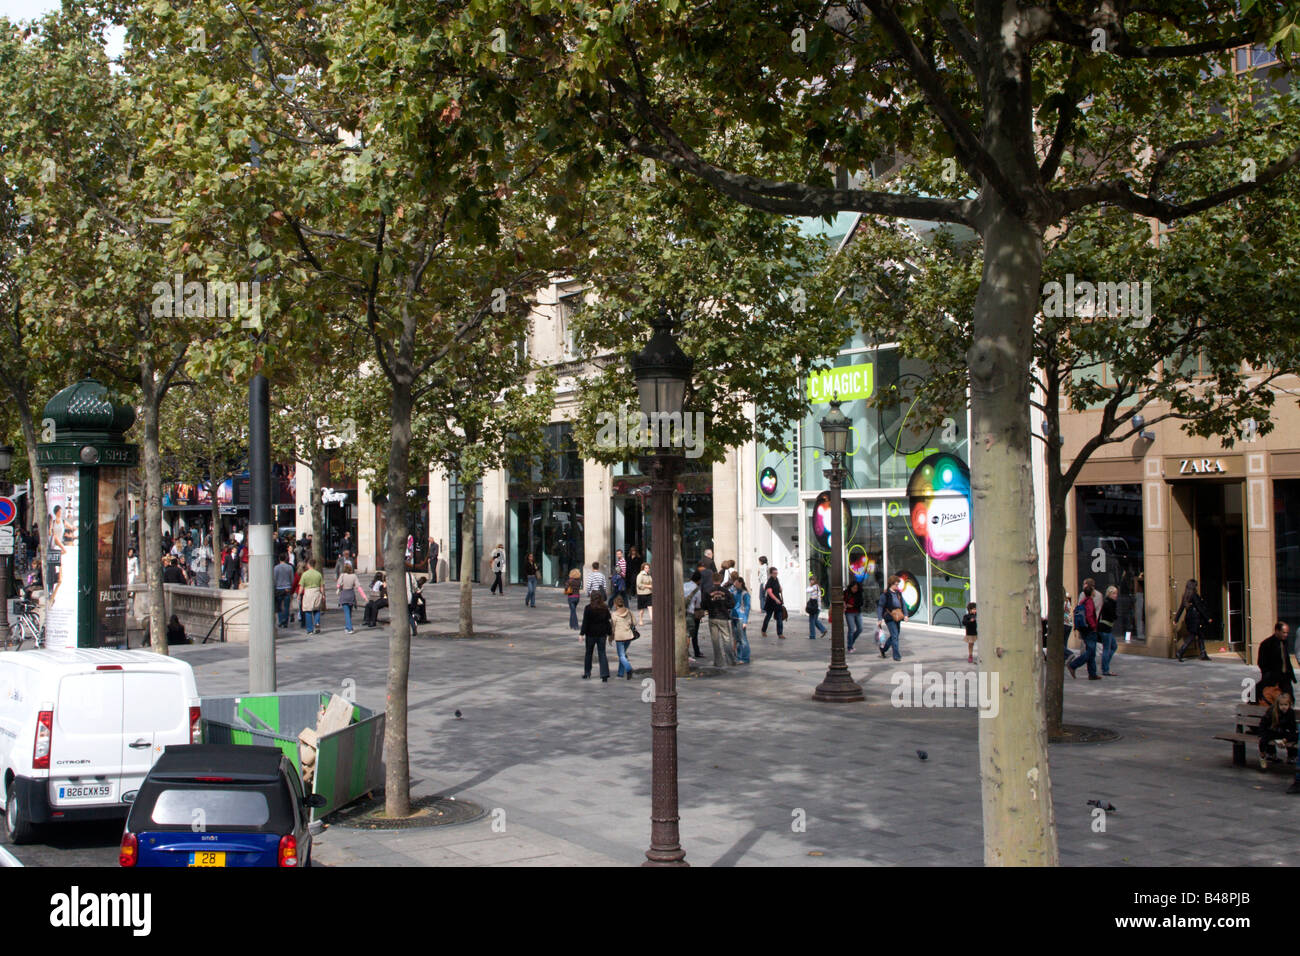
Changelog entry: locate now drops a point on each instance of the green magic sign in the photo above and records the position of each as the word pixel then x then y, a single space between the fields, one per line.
pixel 847 383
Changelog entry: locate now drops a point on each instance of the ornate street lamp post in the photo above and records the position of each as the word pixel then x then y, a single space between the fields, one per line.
pixel 838 686
pixel 662 371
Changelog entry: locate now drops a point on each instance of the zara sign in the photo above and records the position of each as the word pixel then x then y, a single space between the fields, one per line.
pixel 1201 466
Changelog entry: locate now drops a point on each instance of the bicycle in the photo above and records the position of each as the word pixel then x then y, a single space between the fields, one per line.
pixel 26 625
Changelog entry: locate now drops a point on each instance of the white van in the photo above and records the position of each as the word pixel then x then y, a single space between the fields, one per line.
pixel 80 729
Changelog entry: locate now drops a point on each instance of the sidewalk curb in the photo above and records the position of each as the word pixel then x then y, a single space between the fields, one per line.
pixel 8 859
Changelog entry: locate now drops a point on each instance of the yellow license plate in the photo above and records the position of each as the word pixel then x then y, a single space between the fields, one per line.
pixel 207 858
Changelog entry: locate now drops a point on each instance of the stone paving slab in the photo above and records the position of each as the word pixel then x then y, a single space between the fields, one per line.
pixel 767 776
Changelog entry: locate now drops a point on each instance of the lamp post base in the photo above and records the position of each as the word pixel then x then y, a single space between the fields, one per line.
pixel 665 858
pixel 838 688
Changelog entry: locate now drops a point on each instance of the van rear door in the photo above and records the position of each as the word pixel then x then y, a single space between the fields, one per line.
pixel 155 713
pixel 86 749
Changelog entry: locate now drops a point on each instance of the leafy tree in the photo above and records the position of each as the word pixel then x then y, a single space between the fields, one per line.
pixel 962 88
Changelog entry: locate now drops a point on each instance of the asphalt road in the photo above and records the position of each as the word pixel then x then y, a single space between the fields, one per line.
pixel 72 844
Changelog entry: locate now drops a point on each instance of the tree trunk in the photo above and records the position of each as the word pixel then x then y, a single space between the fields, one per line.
pixel 1019 828
pixel 151 536
pixel 1055 592
pixel 38 486
pixel 397 781
pixel 465 626
pixel 681 639
pixel 320 473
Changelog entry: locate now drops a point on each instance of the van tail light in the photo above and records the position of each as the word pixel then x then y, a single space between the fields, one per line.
pixel 196 726
pixel 44 735
pixel 288 851
pixel 129 851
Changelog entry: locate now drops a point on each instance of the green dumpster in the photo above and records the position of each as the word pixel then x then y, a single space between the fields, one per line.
pixel 349 762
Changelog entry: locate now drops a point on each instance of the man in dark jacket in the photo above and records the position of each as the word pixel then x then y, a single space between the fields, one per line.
pixel 1276 676
pixel 773 603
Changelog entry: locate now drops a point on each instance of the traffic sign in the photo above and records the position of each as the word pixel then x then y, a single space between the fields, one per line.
pixel 6 542
pixel 8 511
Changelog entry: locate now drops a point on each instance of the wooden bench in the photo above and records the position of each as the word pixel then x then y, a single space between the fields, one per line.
pixel 1246 730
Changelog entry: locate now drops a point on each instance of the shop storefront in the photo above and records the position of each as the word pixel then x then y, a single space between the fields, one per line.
pixel 906 497
pixel 545 510
pixel 417 528
pixel 630 524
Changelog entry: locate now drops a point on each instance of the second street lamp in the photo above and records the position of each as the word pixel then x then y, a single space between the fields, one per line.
pixel 838 687
pixel 662 371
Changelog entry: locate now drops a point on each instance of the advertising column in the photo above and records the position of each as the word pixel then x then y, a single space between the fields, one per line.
pixel 63 500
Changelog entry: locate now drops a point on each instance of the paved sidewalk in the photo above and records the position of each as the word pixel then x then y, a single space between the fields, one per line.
pixel 565 763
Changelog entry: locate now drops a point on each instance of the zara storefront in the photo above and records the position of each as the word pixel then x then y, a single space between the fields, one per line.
pixel 906 498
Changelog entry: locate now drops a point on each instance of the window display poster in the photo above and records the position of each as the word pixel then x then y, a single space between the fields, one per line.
pixel 110 559
pixel 63 502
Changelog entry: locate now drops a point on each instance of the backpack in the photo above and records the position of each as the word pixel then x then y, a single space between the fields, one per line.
pixel 1081 618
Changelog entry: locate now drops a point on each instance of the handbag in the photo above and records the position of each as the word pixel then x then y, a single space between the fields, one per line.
pixel 810 608
pixel 897 615
pixel 1076 641
pixel 783 614
pixel 635 634
pixel 882 635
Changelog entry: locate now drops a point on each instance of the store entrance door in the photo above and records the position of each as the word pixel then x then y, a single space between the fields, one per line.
pixel 1208 542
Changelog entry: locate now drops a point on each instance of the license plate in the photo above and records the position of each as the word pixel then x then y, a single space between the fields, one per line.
pixel 207 858
pixel 97 791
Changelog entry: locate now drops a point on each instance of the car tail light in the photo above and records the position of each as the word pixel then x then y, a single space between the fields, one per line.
pixel 44 735
pixel 288 851
pixel 109 667
pixel 129 851
pixel 196 726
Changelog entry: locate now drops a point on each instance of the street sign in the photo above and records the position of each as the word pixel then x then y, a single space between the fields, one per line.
pixel 6 541
pixel 8 511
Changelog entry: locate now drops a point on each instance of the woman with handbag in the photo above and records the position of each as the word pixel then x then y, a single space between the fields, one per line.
pixel 1197 618
pixel 311 586
pixel 891 616
pixel 624 633
pixel 346 588
pixel 813 608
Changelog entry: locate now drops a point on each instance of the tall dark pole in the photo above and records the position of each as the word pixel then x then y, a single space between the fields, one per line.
pixel 838 687
pixel 261 539
pixel 665 840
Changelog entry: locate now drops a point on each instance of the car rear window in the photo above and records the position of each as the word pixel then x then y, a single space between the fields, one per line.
pixel 202 808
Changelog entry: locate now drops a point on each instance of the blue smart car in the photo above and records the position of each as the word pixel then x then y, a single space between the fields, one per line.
pixel 220 805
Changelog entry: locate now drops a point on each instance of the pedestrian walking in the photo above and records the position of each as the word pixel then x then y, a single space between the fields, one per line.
pixel 644 592
pixel 573 593
pixel 230 568
pixel 972 628
pixel 596 583
pixel 282 580
pixel 498 568
pixel 694 611
pixel 891 613
pixel 634 562
pixel 624 633
pixel 346 590
pixel 1085 622
pixel 1106 628
pixel 618 574
pixel 852 614
pixel 719 604
pixel 530 575
pixel 311 586
pixel 813 608
pixel 597 626
pixel 1197 619
pixel 740 619
pixel 774 605
pixel 132 574
pixel 760 586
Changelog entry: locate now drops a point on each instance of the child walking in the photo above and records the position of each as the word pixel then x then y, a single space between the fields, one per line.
pixel 968 622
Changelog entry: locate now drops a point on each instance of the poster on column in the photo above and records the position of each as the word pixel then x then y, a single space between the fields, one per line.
pixel 63 502
pixel 110 559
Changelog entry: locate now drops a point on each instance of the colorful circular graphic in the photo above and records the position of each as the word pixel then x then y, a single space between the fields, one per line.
pixel 940 501
pixel 821 519
pixel 910 588
pixel 767 481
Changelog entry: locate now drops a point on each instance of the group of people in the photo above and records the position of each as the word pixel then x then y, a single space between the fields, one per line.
pixel 305 581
